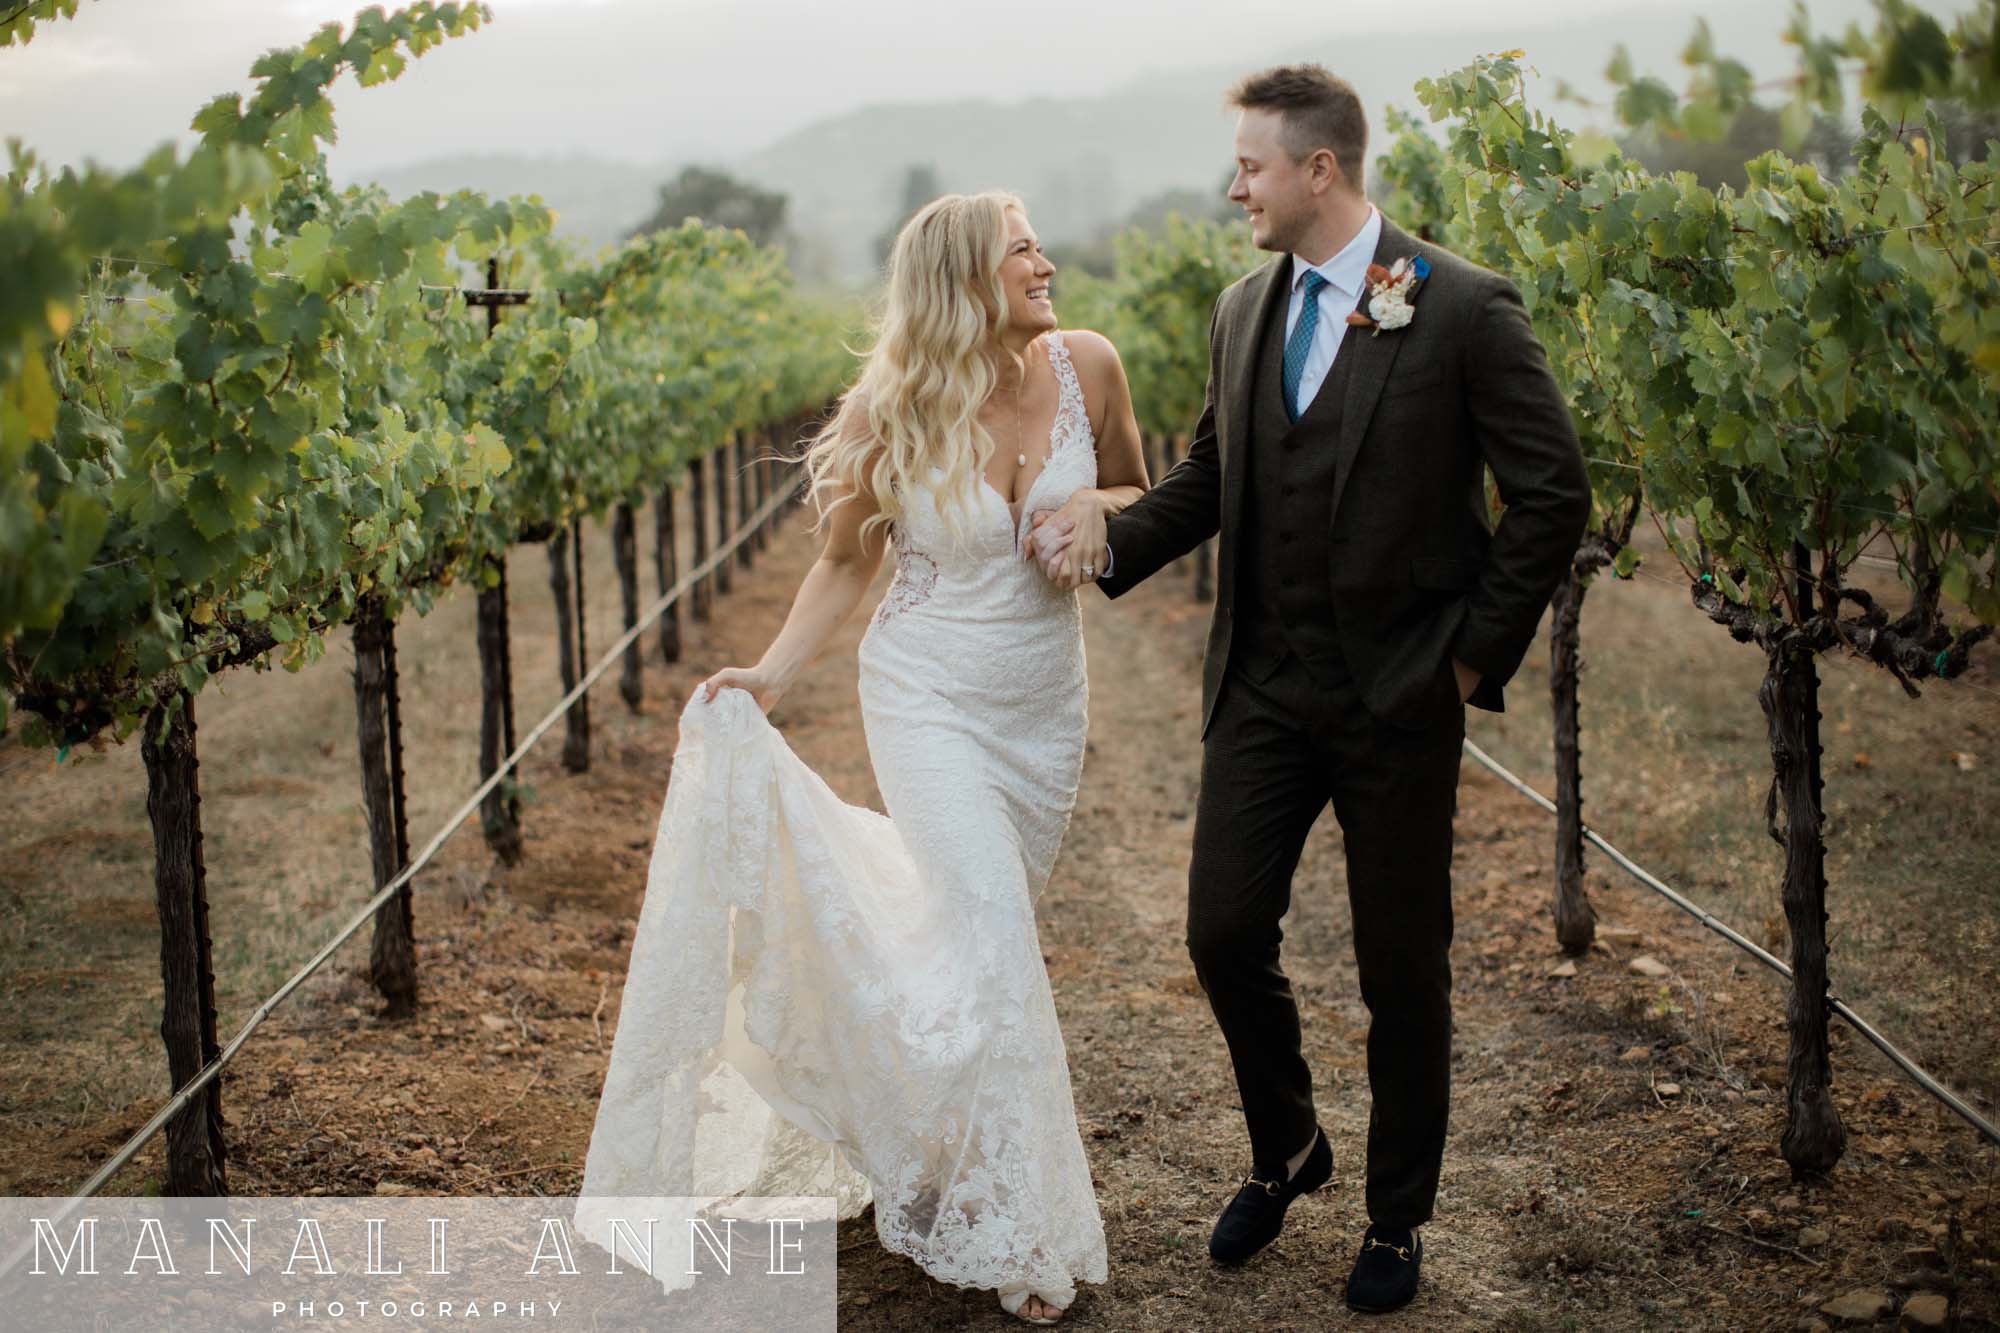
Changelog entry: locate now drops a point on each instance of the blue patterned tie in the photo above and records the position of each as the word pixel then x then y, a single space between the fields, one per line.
pixel 1300 343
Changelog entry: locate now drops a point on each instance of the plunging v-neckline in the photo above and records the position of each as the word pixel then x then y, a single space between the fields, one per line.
pixel 1047 459
pixel 1015 515
pixel 1007 504
pixel 1054 443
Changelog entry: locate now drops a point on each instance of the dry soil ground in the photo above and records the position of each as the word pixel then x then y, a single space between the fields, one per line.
pixel 1612 1162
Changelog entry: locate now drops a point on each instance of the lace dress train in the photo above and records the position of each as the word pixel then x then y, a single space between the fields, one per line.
pixel 823 1000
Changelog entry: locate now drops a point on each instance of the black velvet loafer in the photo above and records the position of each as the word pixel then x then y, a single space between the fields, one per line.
pixel 1385 1272
pixel 1256 1215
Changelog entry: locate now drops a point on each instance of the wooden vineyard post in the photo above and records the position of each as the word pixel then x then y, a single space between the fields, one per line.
pixel 392 957
pixel 500 810
pixel 1814 1138
pixel 1576 921
pixel 666 571
pixel 704 587
pixel 718 462
pixel 569 647
pixel 625 553
pixel 196 1153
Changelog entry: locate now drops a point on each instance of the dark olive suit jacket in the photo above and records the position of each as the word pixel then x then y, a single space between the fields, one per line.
pixel 1416 575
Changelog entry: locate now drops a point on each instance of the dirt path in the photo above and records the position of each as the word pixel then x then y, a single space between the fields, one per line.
pixel 1579 1190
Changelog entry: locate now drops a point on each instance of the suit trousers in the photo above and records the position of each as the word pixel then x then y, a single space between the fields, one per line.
pixel 1283 744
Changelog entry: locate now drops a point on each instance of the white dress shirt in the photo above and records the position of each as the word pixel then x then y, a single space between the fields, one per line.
pixel 1346 277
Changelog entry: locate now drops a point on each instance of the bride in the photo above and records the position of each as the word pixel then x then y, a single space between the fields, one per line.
pixel 825 1001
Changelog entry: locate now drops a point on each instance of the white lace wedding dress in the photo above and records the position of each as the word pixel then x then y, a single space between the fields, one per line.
pixel 825 1001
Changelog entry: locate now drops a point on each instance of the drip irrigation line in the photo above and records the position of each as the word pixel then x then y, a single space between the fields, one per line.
pixel 1881 1043
pixel 213 1069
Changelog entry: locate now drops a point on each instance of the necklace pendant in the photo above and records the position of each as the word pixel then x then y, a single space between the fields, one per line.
pixel 1021 460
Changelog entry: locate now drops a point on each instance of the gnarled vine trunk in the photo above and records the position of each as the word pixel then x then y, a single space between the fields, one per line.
pixel 666 571
pixel 500 810
pixel 740 453
pixel 760 473
pixel 725 571
pixel 625 552
pixel 1204 554
pixel 1814 1138
pixel 569 648
pixel 1576 921
pixel 392 956
pixel 704 587
pixel 196 1153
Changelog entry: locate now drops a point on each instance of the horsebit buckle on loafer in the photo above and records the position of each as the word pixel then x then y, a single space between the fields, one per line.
pixel 1268 1186
pixel 1376 1243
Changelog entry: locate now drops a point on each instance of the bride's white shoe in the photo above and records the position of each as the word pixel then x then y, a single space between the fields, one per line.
pixel 1014 1301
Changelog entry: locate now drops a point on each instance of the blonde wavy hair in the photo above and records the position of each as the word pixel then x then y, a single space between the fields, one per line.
pixel 915 405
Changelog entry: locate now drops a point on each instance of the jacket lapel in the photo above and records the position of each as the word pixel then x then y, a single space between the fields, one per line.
pixel 1374 361
pixel 1268 287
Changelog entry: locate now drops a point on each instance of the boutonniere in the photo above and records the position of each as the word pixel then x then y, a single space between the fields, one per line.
pixel 1389 292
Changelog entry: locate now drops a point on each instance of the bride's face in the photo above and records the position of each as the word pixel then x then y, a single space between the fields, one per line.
pixel 1024 276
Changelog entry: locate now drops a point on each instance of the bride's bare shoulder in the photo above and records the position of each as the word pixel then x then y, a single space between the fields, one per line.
pixel 1089 347
pixel 1098 369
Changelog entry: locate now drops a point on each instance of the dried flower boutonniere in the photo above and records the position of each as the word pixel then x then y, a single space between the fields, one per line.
pixel 1389 293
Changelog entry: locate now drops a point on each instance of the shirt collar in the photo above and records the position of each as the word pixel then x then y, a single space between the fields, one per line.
pixel 1346 272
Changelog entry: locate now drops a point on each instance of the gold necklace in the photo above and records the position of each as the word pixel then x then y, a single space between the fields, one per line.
pixel 1020 453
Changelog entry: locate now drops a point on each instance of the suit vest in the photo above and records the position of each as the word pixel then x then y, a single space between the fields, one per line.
pixel 1283 595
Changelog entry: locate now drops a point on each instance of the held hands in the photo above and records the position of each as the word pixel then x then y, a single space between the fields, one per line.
pixel 1068 541
pixel 763 686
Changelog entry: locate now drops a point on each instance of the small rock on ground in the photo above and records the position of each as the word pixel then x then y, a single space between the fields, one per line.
pixel 1926 1309
pixel 1862 1306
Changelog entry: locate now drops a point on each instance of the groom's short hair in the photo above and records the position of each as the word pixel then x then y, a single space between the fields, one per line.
pixel 1318 108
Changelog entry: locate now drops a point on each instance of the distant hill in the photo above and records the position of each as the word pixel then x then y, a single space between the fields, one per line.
pixel 1085 163
pixel 595 200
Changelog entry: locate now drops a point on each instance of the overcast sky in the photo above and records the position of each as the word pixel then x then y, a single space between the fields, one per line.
pixel 664 81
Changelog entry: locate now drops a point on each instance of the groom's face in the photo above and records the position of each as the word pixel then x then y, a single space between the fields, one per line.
pixel 1275 189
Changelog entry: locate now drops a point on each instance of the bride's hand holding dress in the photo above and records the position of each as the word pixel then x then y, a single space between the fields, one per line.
pixel 754 681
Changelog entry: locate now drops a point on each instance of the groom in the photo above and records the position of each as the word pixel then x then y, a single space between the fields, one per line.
pixel 1361 603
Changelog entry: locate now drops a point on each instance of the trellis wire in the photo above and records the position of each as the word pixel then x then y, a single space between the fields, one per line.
pixel 1764 956
pixel 213 1069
